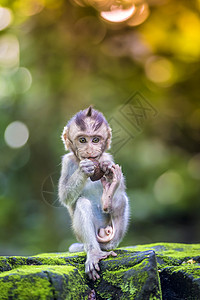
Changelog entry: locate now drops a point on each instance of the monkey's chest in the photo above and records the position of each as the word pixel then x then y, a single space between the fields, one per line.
pixel 93 191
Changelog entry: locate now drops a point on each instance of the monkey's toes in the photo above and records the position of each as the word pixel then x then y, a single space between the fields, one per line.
pixel 113 253
pixel 91 270
pixel 106 166
pixel 110 253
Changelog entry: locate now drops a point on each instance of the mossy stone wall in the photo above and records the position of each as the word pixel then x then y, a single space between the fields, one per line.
pixel 154 271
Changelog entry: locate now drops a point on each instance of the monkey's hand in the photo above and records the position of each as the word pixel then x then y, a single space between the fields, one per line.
pixel 92 262
pixel 87 167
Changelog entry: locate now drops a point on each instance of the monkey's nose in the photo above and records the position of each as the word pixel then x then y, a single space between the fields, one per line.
pixel 90 154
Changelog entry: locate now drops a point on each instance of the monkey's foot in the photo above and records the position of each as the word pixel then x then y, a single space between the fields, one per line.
pixel 92 262
pixel 76 247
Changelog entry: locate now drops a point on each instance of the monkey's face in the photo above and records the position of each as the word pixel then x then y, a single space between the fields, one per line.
pixel 89 146
pixel 87 134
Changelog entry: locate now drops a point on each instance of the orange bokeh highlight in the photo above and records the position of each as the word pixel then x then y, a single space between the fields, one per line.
pixel 118 14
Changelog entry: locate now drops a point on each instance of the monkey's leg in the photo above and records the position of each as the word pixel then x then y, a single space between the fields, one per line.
pixel 115 201
pixel 84 227
pixel 107 197
pixel 109 188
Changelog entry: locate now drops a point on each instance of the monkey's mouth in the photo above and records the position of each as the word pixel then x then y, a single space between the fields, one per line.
pixel 88 157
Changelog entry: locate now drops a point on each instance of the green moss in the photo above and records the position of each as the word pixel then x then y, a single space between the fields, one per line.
pixel 62 274
pixel 51 261
pixel 17 287
pixel 75 259
pixel 171 249
pixel 129 285
pixel 60 255
pixel 174 258
pixel 9 262
pixel 129 288
pixel 130 281
pixel 35 282
pixel 187 269
pixel 16 260
pixel 27 270
pixel 4 265
pixel 170 254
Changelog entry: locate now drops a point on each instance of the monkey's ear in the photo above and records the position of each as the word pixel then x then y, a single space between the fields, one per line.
pixel 65 138
pixel 108 141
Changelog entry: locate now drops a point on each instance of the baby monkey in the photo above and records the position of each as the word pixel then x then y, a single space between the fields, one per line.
pixel 92 187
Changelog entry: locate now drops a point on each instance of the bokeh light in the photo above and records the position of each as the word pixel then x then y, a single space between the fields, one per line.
pixel 118 13
pixel 16 134
pixel 9 51
pixel 5 17
pixel 30 7
pixel 169 188
pixel 159 70
pixel 188 41
pixel 22 80
pixel 140 15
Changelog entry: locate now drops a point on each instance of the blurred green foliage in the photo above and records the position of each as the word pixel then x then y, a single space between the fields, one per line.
pixel 57 57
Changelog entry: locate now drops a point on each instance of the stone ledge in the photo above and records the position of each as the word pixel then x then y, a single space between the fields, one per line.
pixel 156 271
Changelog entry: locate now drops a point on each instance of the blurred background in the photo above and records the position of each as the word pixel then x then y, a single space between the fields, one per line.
pixel 57 57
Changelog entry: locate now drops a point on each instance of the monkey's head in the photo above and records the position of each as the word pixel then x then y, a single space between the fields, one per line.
pixel 87 134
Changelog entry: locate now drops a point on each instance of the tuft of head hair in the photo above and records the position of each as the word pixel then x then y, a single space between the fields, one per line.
pixel 89 112
pixel 82 117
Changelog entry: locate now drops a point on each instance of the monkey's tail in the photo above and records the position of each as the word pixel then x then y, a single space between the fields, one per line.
pixel 105 235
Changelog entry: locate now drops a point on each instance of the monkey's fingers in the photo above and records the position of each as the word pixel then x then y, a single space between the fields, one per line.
pixel 112 253
pixel 117 172
pixel 91 272
pixel 88 170
pixel 97 267
pixel 94 275
pixel 106 166
pixel 86 162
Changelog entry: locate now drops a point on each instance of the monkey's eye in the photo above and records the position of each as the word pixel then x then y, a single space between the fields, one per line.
pixel 82 140
pixel 95 140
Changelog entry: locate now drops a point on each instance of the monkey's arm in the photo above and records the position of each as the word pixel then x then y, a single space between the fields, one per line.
pixel 73 179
